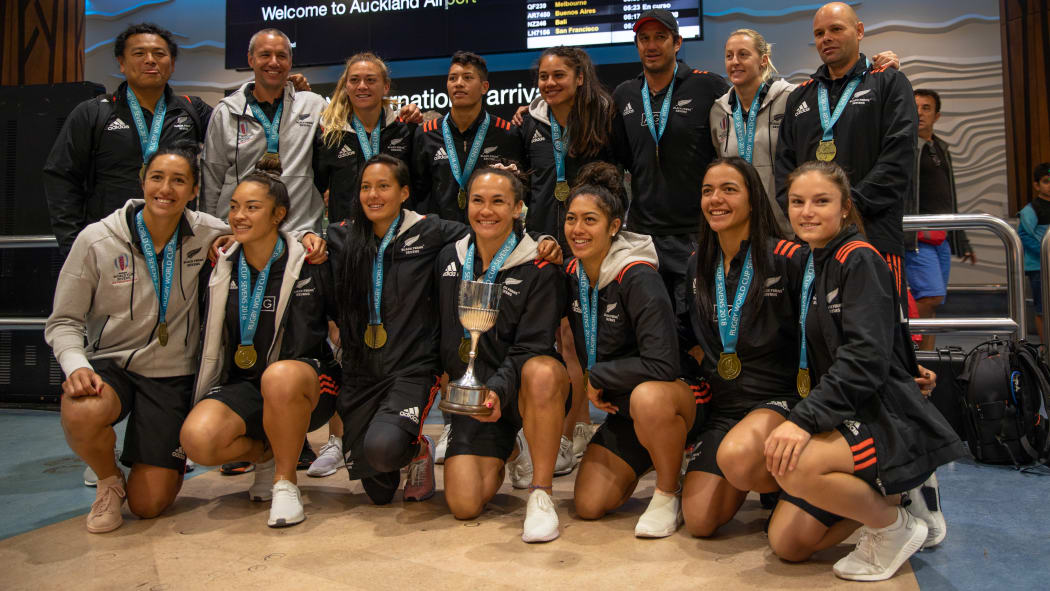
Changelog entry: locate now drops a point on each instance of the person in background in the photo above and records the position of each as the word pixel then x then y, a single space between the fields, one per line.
pixel 928 259
pixel 1034 219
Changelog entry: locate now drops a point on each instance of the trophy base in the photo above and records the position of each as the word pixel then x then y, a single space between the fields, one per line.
pixel 462 399
pixel 464 409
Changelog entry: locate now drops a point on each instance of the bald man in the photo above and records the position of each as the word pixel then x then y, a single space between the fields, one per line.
pixel 873 138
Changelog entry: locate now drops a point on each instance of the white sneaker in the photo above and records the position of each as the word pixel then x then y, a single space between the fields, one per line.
pixel 581 436
pixel 567 460
pixel 442 444
pixel 541 519
pixel 925 504
pixel 661 518
pixel 329 459
pixel 880 552
pixel 190 467
pixel 262 488
pixel 520 468
pixel 287 505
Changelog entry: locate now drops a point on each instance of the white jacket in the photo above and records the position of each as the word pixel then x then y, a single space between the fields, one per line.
pixel 236 141
pixel 767 131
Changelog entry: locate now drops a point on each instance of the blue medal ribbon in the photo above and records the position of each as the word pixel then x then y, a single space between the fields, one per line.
pixel 148 139
pixel 270 128
pixel 829 119
pixel 559 149
pixel 589 309
pixel 250 305
pixel 745 137
pixel 377 271
pixel 729 320
pixel 467 274
pixel 807 293
pixel 161 277
pixel 462 175
pixel 369 143
pixel 665 109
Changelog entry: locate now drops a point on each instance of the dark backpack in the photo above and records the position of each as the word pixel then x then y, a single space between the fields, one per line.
pixel 1006 396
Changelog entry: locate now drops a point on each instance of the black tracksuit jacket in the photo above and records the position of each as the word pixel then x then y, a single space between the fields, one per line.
pixel 93 167
pixel 546 213
pixel 875 139
pixel 434 190
pixel 530 311
pixel 862 365
pixel 666 196
pixel 336 167
pixel 768 338
pixel 636 330
pixel 409 306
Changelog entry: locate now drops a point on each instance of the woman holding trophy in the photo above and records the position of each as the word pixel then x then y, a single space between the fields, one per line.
pixel 495 275
pixel 624 328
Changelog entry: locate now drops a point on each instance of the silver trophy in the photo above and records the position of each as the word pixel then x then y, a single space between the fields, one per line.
pixel 478 309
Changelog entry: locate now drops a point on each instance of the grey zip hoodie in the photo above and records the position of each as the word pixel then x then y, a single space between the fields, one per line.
pixel 235 141
pixel 107 308
pixel 767 131
pixel 626 249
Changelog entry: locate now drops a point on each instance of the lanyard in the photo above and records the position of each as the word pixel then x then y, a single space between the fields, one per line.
pixel 250 306
pixel 494 267
pixel 665 109
pixel 829 119
pixel 745 138
pixel 559 149
pixel 377 270
pixel 161 277
pixel 807 292
pixel 589 308
pixel 369 143
pixel 729 320
pixel 149 140
pixel 462 175
pixel 270 128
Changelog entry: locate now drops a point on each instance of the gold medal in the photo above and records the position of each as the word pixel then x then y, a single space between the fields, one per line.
pixel 561 191
pixel 162 334
pixel 245 357
pixel 826 151
pixel 464 349
pixel 375 336
pixel 462 199
pixel 802 382
pixel 728 366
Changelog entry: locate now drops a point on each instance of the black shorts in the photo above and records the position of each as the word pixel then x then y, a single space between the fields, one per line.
pixel 403 401
pixel 156 409
pixel 471 437
pixel 617 434
pixel 865 466
pixel 703 457
pixel 245 399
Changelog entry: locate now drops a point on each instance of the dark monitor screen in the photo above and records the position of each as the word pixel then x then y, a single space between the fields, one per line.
pixel 326 33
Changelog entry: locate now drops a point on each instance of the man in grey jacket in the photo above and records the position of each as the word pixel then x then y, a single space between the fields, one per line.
pixel 265 119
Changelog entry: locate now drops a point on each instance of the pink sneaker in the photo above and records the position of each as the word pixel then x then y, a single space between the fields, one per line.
pixel 105 511
pixel 419 485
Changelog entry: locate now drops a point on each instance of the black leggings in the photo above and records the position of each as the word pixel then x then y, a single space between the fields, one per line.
pixel 387 448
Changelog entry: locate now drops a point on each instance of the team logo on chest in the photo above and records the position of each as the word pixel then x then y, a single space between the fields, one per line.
pixel 508 284
pixel 123 271
pixel 117 125
pixel 412 246
pixel 682 107
pixel 803 108
pixel 628 110
pixel 537 137
pixel 609 316
pixel 450 270
pixel 440 155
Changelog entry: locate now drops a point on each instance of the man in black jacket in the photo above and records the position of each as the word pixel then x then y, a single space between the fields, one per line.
pixel 661 135
pixel 873 140
pixel 94 164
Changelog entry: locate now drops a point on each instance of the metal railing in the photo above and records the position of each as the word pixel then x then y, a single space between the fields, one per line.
pixel 27 241
pixel 1015 324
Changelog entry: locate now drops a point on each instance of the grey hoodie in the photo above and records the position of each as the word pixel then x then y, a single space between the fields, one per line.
pixel 767 131
pixel 626 249
pixel 235 141
pixel 107 308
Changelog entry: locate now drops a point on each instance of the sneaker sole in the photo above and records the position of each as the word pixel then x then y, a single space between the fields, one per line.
pixel 97 530
pixel 565 471
pixel 420 499
pixel 260 498
pixel 548 538
pixel 91 484
pixel 322 474
pixel 935 536
pixel 914 543
pixel 286 523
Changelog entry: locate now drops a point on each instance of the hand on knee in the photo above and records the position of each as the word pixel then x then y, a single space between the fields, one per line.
pixel 84 415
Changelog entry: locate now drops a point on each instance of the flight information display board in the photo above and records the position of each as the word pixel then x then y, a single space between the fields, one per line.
pixel 329 32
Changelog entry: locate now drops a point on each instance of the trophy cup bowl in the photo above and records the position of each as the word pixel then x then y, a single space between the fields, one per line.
pixel 478 309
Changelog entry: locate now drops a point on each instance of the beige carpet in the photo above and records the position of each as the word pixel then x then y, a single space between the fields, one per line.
pixel 214 538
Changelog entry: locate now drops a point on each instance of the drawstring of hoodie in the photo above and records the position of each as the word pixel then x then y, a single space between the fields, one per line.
pixel 131 300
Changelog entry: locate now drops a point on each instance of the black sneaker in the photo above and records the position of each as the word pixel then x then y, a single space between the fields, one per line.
pixel 306 457
pixel 235 468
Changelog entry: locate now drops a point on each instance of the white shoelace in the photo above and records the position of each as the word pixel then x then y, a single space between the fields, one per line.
pixel 330 446
pixel 867 544
pixel 416 472
pixel 102 502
